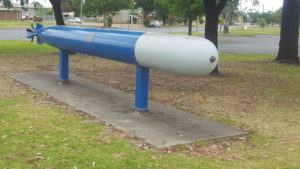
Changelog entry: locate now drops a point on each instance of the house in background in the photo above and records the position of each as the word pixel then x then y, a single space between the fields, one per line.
pixel 128 16
pixel 17 12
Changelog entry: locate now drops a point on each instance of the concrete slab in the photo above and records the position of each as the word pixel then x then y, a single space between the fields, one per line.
pixel 162 126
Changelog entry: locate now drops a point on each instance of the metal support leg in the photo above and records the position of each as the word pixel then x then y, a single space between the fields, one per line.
pixel 64 66
pixel 141 91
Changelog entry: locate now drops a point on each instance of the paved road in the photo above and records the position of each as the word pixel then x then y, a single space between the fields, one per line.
pixel 165 30
pixel 20 34
pixel 261 44
pixel 12 34
pixel 267 44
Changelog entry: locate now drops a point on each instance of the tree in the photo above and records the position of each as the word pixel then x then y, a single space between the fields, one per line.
pixel 40 10
pixel 67 6
pixel 254 17
pixel 212 11
pixel 288 45
pixel 162 10
pixel 23 2
pixel 107 8
pixel 56 4
pixel 262 22
pixel 148 7
pixel 72 5
pixel 7 4
pixel 188 9
pixel 76 5
pixel 277 16
pixel 93 8
pixel 228 13
pixel 37 5
pixel 49 11
pixel 270 17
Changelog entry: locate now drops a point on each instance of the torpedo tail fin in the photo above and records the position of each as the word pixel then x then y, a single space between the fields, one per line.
pixel 31 33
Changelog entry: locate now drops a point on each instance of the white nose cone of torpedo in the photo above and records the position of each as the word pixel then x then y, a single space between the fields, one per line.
pixel 187 55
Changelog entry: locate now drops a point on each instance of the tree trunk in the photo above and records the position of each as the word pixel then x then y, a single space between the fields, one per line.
pixel 221 27
pixel 56 4
pixel 146 17
pixel 105 20
pixel 227 22
pixel 288 45
pixel 190 26
pixel 185 21
pixel 226 29
pixel 212 11
pixel 211 24
pixel 164 18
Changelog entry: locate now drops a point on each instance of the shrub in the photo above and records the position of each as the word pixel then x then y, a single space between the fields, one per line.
pixel 146 23
pixel 109 21
pixel 171 20
pixel 37 19
pixel 202 20
pixel 262 22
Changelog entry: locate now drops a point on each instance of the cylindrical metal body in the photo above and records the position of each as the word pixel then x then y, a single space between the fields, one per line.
pixel 109 44
pixel 174 53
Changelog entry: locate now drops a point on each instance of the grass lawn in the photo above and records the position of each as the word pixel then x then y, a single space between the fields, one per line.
pixel 252 93
pixel 271 30
pixel 250 31
pixel 26 24
pixel 255 30
pixel 19 24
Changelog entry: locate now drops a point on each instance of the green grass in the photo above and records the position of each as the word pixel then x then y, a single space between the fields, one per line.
pixel 245 57
pixel 202 143
pixel 255 30
pixel 19 24
pixel 23 48
pixel 261 97
pixel 258 31
pixel 45 136
pixel 249 32
pixel 226 121
pixel 200 33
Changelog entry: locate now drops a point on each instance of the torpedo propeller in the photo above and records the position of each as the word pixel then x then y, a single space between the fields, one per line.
pixel 31 33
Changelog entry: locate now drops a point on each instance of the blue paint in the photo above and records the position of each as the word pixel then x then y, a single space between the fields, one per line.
pixel 39 27
pixel 64 66
pixel 110 44
pixel 141 91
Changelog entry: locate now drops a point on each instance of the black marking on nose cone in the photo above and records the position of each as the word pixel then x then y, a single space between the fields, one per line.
pixel 212 59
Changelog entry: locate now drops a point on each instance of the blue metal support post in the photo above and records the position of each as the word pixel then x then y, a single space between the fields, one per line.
pixel 64 66
pixel 141 91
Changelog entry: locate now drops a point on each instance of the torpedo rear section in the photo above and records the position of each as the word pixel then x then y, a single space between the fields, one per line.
pixel 173 53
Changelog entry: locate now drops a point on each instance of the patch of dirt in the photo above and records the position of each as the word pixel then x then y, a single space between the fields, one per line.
pixel 246 93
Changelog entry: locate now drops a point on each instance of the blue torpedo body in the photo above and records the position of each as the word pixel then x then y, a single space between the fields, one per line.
pixel 173 53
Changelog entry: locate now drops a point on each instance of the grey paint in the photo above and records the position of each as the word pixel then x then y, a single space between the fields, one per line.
pixel 162 126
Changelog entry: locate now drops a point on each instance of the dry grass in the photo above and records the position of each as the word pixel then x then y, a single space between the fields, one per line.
pixel 246 92
pixel 260 96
